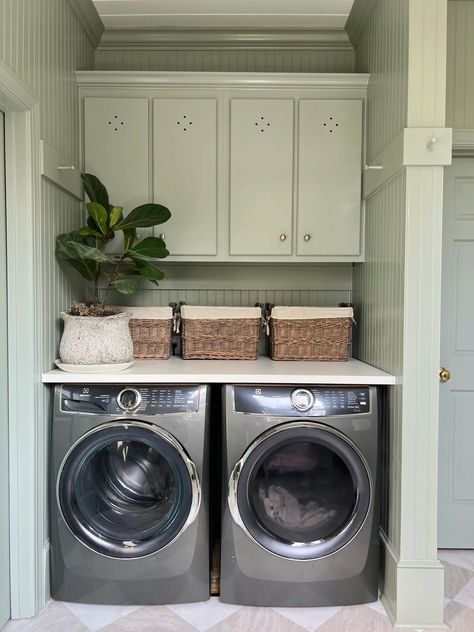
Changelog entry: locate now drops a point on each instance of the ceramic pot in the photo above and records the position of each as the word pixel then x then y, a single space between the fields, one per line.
pixel 96 339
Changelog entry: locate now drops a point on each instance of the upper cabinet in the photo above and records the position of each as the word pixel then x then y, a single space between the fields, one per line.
pixel 252 167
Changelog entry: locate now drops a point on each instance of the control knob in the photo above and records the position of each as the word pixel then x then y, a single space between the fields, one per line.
pixel 129 399
pixel 302 399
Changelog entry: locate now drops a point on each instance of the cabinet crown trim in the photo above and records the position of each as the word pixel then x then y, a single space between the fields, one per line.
pixel 222 79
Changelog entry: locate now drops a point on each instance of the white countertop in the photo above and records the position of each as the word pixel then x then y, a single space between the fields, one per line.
pixel 260 371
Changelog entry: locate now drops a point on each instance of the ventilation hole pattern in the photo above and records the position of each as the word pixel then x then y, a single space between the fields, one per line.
pixel 331 125
pixel 116 123
pixel 262 125
pixel 184 123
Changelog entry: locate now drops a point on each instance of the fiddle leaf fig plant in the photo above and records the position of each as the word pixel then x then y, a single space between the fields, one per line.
pixel 85 249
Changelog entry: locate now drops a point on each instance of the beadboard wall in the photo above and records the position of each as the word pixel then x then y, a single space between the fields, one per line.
pixel 284 60
pixel 43 43
pixel 383 51
pixel 460 65
pixel 379 283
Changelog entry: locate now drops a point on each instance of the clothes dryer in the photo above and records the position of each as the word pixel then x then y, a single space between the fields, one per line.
pixel 300 522
pixel 129 494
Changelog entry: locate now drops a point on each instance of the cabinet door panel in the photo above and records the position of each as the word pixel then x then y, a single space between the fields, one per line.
pixel 116 147
pixel 185 172
pixel 261 176
pixel 329 177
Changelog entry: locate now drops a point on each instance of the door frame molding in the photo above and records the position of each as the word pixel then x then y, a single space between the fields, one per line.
pixel 26 444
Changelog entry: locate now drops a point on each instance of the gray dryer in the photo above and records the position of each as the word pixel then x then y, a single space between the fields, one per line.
pixel 300 524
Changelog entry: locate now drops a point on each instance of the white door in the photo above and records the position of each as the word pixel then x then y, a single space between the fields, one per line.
pixel 4 495
pixel 456 438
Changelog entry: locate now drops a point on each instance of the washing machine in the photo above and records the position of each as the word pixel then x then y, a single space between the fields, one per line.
pixel 129 494
pixel 300 521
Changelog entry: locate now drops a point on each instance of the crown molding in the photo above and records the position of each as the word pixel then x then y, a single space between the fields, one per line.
pixel 89 18
pixel 356 82
pixel 249 39
pixel 357 19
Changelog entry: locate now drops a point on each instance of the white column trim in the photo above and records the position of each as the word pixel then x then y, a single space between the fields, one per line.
pixel 26 446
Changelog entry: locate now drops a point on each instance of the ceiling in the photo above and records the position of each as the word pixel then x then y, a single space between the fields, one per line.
pixel 223 14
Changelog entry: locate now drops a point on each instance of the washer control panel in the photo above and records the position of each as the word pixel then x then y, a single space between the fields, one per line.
pixel 310 401
pixel 120 400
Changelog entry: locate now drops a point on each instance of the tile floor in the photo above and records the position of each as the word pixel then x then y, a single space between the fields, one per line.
pixel 212 616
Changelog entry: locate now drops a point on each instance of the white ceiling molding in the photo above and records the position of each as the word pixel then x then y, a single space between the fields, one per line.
pixel 89 18
pixel 357 19
pixel 179 39
pixel 234 14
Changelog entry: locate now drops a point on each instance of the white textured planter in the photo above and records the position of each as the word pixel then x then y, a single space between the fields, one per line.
pixel 96 339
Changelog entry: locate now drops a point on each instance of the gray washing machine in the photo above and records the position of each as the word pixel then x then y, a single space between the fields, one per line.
pixel 129 494
pixel 300 522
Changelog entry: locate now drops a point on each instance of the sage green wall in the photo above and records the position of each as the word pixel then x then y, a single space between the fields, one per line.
pixel 283 60
pixel 460 65
pixel 379 284
pixel 43 43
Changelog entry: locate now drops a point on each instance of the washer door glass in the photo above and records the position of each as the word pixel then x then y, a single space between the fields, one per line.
pixel 127 490
pixel 303 491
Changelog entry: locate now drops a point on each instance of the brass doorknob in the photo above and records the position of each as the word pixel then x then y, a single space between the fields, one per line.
pixel 444 374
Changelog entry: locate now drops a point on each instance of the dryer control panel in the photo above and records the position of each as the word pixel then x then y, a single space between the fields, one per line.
pixel 305 401
pixel 120 399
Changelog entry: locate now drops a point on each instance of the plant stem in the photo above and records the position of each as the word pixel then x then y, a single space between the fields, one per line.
pixel 113 277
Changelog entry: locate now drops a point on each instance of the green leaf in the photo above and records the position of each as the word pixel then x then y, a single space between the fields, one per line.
pixel 115 215
pixel 145 216
pixel 125 286
pixel 81 251
pixel 150 247
pixel 129 235
pixel 87 230
pixel 147 270
pixel 95 190
pixel 86 267
pixel 99 215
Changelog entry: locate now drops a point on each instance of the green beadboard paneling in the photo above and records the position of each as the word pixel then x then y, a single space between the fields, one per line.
pixel 43 43
pixel 460 65
pixel 383 52
pixel 286 60
pixel 378 292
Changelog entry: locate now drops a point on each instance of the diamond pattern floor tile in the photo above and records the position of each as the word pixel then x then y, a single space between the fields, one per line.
pixel 97 617
pixel 466 595
pixel 256 620
pixel 459 618
pixel 55 617
pixel 357 618
pixel 150 619
pixel 205 614
pixel 308 618
pixel 455 578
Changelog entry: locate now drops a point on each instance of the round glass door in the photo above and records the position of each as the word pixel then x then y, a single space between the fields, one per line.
pixel 301 491
pixel 127 490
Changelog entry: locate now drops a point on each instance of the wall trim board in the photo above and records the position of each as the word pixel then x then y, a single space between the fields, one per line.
pixel 357 19
pixel 26 458
pixel 218 39
pixel 421 146
pixel 224 80
pixel 59 170
pixel 463 142
pixel 15 94
pixel 89 18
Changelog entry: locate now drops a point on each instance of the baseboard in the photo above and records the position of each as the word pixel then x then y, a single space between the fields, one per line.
pixel 412 590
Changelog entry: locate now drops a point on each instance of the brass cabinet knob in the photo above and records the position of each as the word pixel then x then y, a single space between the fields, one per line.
pixel 282 237
pixel 162 236
pixel 444 374
pixel 307 237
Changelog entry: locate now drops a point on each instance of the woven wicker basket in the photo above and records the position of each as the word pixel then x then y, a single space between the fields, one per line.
pixel 151 329
pixel 311 333
pixel 220 333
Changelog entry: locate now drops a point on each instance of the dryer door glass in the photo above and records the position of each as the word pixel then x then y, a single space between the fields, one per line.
pixel 127 490
pixel 303 492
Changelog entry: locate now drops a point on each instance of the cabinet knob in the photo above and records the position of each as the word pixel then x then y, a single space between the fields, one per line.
pixel 282 237
pixel 444 374
pixel 307 237
pixel 138 236
pixel 162 236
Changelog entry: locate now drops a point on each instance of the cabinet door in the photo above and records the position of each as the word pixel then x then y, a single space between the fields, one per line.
pixel 261 176
pixel 329 177
pixel 116 147
pixel 185 173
